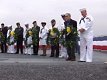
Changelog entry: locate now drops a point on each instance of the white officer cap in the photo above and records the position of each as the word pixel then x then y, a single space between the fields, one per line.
pixel 83 9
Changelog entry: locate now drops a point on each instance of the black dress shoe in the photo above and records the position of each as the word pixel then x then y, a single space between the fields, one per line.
pixel 81 61
pixel 68 59
pixel 34 54
pixel 57 56
pixel 73 59
pixel 51 56
pixel 16 53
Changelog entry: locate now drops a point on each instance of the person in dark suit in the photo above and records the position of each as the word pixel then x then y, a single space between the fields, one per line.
pixel 19 38
pixel 35 37
pixel 70 36
pixel 3 43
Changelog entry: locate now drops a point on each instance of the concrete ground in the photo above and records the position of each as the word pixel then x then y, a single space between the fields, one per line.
pixel 30 67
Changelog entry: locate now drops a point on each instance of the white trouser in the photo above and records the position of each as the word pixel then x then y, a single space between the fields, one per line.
pixel 28 51
pixel 86 48
pixel 11 49
pixel 25 50
pixel 63 52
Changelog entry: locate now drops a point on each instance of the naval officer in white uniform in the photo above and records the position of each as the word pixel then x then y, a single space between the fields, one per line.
pixel 86 36
pixel 43 37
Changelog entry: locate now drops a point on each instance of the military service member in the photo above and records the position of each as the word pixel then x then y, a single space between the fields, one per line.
pixel 86 36
pixel 35 37
pixel 19 38
pixel 53 37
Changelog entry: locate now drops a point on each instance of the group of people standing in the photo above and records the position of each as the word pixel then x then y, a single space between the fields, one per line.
pixel 67 37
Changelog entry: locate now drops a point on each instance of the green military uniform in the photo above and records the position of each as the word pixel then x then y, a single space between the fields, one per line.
pixel 35 39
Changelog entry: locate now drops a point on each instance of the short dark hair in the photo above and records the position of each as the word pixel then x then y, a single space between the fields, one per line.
pixel 17 23
pixel 2 23
pixel 53 20
pixel 34 22
pixel 43 23
pixel 63 15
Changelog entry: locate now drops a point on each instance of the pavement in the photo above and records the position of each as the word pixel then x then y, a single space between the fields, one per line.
pixel 30 67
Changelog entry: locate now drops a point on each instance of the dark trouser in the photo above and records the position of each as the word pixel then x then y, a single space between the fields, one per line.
pixel 44 47
pixel 35 49
pixel 55 48
pixel 3 47
pixel 71 52
pixel 77 48
pixel 19 46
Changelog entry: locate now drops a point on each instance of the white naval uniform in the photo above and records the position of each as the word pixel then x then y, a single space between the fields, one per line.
pixel 8 33
pixel 25 32
pixel 86 39
pixel 11 48
pixel 29 50
pixel 43 35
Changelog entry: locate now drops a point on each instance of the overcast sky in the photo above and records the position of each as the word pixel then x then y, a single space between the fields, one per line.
pixel 26 11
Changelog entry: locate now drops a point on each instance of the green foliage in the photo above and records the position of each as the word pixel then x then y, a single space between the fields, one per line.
pixel 72 37
pixel 35 35
pixel 55 40
pixel 2 37
pixel 8 40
